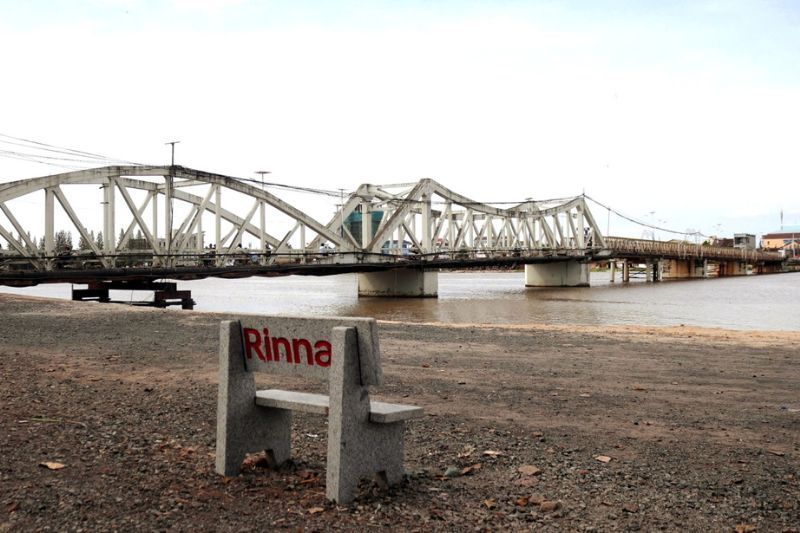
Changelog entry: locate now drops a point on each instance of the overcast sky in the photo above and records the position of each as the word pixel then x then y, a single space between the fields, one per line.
pixel 686 109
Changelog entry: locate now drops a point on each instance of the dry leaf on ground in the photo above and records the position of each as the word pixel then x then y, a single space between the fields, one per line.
pixel 52 465
pixel 470 469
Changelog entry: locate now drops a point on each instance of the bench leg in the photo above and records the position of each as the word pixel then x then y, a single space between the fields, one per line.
pixel 242 426
pixel 357 448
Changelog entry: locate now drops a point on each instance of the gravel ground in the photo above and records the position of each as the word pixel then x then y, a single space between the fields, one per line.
pixel 540 427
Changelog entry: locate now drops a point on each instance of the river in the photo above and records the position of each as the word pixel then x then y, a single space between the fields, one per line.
pixel 768 302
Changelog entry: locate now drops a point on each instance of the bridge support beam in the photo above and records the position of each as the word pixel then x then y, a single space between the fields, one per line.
pixel 732 268
pixel 653 270
pixel 164 293
pixel 562 274
pixel 400 282
pixel 768 268
pixel 685 268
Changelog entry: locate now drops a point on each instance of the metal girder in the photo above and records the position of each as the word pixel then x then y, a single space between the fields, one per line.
pixel 462 224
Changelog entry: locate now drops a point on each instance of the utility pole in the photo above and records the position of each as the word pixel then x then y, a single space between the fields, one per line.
pixel 261 173
pixel 168 202
pixel 341 211
pixel 172 144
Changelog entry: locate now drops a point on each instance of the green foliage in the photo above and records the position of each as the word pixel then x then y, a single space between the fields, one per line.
pixel 63 241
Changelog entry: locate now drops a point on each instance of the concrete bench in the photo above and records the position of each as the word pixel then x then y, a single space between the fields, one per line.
pixel 365 438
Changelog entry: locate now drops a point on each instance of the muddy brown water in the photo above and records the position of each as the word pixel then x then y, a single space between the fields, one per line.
pixel 767 302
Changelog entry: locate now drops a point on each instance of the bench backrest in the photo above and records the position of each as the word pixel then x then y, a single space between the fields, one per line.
pixel 301 346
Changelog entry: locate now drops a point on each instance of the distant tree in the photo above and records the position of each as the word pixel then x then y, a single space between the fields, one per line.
pixel 119 239
pixel 99 240
pixel 41 244
pixel 63 241
pixel 83 244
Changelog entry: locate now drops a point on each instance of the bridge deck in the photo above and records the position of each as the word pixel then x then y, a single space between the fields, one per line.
pixel 31 277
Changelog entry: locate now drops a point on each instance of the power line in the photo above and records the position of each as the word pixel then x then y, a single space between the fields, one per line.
pixel 57 151
pixel 284 186
pixel 34 160
pixel 645 224
pixel 62 149
pixel 49 157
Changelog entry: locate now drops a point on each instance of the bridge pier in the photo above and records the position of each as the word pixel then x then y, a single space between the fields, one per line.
pixel 768 268
pixel 653 270
pixel 685 269
pixel 732 268
pixel 399 282
pixel 562 274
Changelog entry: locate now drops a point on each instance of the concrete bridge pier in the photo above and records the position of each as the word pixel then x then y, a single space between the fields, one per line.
pixel 685 268
pixel 399 282
pixel 626 271
pixel 732 268
pixel 653 270
pixel 562 274
pixel 768 268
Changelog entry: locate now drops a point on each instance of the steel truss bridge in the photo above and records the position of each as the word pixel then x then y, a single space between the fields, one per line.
pixel 148 223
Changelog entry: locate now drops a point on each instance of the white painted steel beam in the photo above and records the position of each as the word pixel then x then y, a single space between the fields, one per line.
pixel 529 228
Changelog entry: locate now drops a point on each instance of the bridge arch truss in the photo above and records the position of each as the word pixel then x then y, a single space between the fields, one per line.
pixel 156 215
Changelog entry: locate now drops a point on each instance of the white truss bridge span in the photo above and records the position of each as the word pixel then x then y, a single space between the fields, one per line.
pixel 423 219
pixel 140 223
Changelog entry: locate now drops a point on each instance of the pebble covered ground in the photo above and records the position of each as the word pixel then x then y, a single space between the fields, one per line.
pixel 107 417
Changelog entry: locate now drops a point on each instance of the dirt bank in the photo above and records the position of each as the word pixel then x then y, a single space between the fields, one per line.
pixel 700 428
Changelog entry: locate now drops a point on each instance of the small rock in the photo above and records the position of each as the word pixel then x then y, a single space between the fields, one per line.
pixel 630 507
pixel 452 471
pixel 529 470
pixel 536 499
pixel 549 506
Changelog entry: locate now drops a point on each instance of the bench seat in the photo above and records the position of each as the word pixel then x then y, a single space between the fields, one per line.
pixel 379 412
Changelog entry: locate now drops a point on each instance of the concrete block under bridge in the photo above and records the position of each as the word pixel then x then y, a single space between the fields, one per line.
pixel 399 282
pixel 561 274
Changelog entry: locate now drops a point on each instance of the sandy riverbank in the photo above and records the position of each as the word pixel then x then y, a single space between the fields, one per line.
pixel 701 427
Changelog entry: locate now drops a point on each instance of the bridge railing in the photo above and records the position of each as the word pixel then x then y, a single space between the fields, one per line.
pixel 85 260
pixel 684 250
